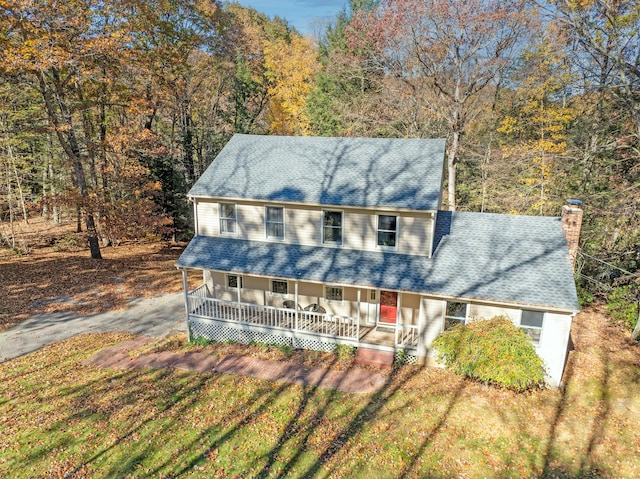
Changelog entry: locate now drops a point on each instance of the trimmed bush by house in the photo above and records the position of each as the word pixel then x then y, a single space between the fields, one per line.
pixel 493 351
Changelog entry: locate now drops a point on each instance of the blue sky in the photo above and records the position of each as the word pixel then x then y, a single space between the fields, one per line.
pixel 298 13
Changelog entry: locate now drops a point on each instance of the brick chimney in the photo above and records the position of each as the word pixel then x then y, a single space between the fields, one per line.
pixel 571 224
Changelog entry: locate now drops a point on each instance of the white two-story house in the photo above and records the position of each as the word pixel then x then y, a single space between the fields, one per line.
pixel 314 242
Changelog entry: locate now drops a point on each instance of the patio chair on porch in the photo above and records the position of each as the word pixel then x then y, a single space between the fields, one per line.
pixel 290 305
pixel 315 308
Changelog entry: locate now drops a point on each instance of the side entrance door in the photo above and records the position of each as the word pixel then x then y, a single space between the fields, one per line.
pixel 388 306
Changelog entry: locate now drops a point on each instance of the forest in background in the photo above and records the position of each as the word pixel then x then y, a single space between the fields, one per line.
pixel 110 110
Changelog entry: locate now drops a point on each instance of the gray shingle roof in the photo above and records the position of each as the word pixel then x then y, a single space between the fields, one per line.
pixel 359 172
pixel 505 258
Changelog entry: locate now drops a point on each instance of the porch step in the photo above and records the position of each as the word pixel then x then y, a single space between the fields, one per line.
pixel 375 357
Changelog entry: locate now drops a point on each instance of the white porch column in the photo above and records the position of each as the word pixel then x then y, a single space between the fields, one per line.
pixel 295 307
pixel 422 332
pixel 399 329
pixel 185 286
pixel 239 280
pixel 358 320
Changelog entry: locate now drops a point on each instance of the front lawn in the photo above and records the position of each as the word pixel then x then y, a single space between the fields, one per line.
pixel 59 418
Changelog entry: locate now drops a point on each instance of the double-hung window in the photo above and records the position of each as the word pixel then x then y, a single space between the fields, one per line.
pixel 228 218
pixel 387 231
pixel 456 313
pixel 274 222
pixel 332 227
pixel 531 323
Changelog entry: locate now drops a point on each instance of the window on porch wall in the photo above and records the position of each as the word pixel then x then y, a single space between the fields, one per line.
pixel 279 287
pixel 334 293
pixel 232 281
pixel 456 313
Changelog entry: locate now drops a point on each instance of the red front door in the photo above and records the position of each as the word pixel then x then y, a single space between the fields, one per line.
pixel 388 306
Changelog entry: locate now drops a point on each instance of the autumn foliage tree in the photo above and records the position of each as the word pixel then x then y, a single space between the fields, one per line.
pixel 537 125
pixel 290 70
pixel 459 48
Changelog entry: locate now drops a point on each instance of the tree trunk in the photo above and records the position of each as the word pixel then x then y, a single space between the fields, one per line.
pixel 78 220
pixel 66 133
pixel 636 331
pixel 452 160
pixel 187 144
pixel 52 189
pixel 10 201
pixel 45 200
pixel 19 185
pixel 14 169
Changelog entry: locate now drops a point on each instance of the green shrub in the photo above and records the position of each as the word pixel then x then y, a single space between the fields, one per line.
pixel 344 351
pixel 285 349
pixel 200 341
pixel 623 307
pixel 585 297
pixel 492 351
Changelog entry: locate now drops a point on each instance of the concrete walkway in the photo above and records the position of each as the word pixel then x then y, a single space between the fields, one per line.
pixel 158 317
pixel 354 380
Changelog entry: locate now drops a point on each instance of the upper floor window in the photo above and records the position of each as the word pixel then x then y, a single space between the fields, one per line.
pixel 531 323
pixel 456 313
pixel 332 227
pixel 228 218
pixel 274 222
pixel 387 230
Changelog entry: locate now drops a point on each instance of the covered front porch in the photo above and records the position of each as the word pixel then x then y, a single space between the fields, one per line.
pixel 246 322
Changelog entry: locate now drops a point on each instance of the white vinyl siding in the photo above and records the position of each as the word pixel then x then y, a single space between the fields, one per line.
pixel 553 346
pixel 207 218
pixel 415 234
pixel 304 225
pixel 486 311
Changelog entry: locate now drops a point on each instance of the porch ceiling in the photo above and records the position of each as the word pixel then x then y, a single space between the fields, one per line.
pixel 502 258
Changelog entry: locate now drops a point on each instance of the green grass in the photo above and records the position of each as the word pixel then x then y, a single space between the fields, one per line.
pixel 59 418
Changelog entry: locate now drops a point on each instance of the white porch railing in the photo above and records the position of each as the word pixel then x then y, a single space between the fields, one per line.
pixel 201 291
pixel 407 335
pixel 321 324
